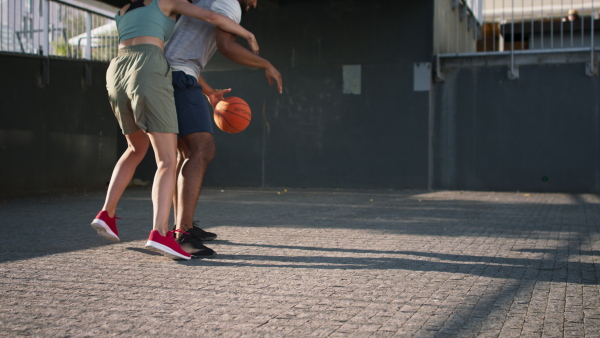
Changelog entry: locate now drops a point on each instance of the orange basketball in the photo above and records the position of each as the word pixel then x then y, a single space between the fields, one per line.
pixel 232 114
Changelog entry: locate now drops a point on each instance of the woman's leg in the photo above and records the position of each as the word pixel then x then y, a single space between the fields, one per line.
pixel 165 150
pixel 137 145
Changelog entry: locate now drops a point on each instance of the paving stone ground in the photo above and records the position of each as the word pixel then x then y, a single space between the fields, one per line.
pixel 296 263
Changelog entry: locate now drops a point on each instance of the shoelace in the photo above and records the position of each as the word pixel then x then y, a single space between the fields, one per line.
pixel 194 225
pixel 191 239
pixel 172 232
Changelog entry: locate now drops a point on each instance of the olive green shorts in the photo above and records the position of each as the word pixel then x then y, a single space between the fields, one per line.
pixel 140 90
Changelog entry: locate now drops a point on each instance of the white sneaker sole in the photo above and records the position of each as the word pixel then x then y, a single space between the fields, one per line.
pixel 165 250
pixel 104 230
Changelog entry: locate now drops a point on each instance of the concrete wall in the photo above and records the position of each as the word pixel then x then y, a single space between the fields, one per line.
pixel 63 135
pixel 59 136
pixel 537 133
pixel 315 135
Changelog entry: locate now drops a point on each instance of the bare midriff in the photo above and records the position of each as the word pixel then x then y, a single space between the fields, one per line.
pixel 143 40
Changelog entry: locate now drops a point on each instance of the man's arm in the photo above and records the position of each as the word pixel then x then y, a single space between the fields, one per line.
pixel 231 49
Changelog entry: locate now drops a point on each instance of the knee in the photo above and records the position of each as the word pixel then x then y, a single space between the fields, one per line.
pixel 166 160
pixel 208 154
pixel 137 151
pixel 203 153
pixel 199 148
pixel 166 163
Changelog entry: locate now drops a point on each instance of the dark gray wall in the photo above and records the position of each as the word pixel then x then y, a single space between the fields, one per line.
pixel 314 135
pixel 489 133
pixel 57 137
pixel 537 133
pixel 63 136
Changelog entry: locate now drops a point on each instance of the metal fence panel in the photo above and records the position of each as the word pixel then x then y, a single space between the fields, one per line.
pixel 56 28
pixel 496 26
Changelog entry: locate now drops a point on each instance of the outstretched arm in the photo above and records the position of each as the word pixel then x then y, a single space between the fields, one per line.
pixel 185 8
pixel 231 49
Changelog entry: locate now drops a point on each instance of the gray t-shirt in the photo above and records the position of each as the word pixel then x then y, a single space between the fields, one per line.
pixel 193 42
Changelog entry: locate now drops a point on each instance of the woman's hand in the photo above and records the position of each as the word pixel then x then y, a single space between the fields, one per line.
pixel 252 43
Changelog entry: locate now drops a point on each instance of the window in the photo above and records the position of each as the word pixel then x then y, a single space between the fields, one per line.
pixel 30 28
pixel 29 6
pixel 27 28
pixel 24 22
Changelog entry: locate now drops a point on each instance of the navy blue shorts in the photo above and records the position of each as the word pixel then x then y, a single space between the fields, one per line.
pixel 194 112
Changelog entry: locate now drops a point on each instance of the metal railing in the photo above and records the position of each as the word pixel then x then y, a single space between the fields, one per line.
pixel 62 28
pixel 475 28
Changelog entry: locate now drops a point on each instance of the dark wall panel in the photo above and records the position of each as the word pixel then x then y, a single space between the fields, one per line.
pixel 55 137
pixel 314 135
pixel 64 135
pixel 538 133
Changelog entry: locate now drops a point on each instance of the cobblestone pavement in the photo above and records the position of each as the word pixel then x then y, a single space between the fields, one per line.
pixel 301 263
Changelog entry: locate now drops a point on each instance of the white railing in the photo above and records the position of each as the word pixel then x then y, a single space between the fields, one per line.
pixel 62 28
pixel 493 26
pixel 517 28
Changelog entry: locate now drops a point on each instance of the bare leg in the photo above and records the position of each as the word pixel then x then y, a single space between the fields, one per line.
pixel 181 156
pixel 165 149
pixel 199 149
pixel 137 146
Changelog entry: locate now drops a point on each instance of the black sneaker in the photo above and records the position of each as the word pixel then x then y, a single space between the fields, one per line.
pixel 194 247
pixel 200 234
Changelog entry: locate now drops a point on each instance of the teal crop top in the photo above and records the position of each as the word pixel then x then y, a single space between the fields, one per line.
pixel 144 21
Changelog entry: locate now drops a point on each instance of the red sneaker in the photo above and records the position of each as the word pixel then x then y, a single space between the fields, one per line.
pixel 166 245
pixel 106 226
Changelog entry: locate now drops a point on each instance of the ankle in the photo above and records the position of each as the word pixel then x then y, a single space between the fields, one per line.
pixel 111 214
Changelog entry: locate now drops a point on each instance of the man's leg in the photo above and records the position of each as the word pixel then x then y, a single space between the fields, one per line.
pixel 181 156
pixel 199 152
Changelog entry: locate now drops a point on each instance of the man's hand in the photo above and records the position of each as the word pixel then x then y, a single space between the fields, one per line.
pixel 273 75
pixel 216 95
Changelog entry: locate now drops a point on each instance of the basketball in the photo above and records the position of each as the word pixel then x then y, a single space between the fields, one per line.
pixel 232 115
